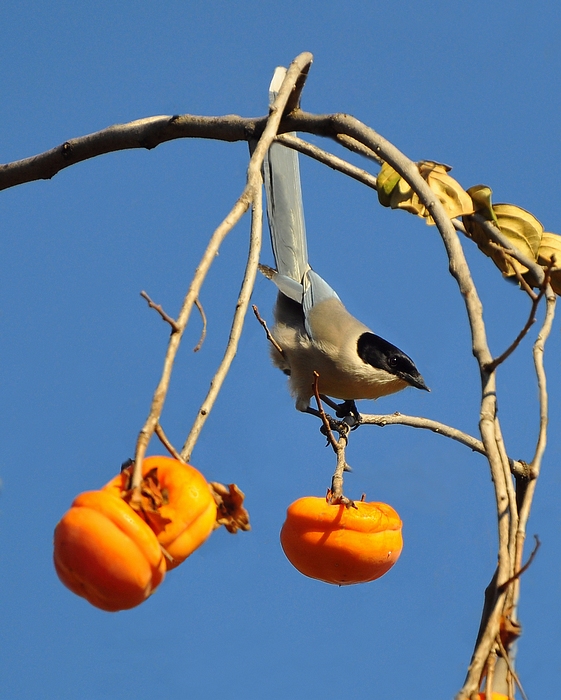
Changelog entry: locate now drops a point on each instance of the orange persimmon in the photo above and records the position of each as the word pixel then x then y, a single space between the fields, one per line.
pixel 186 511
pixel 106 553
pixel 341 545
pixel 494 696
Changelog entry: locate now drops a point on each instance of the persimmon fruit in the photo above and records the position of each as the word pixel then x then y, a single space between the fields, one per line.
pixel 186 513
pixel 106 553
pixel 341 545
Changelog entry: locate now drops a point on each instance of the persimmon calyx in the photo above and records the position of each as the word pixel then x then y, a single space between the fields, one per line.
pixel 230 511
pixel 148 499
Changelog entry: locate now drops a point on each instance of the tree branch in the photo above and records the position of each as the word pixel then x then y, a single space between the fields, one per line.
pixel 517 468
pixel 240 207
pixel 328 159
pixel 237 324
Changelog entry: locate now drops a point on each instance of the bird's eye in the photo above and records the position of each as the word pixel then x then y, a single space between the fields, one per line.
pixel 392 361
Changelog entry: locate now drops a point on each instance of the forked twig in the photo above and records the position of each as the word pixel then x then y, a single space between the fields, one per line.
pixel 167 443
pixel 536 298
pixel 297 68
pixel 159 309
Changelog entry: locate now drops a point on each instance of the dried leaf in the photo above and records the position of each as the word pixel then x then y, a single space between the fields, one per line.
pixel 394 192
pixel 455 200
pixel 517 224
pixel 231 513
pixel 404 198
pixel 523 231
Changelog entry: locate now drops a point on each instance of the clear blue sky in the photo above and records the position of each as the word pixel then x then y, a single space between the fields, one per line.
pixel 474 85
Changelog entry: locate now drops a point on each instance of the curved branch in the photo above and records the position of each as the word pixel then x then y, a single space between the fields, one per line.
pixel 299 64
pixel 517 468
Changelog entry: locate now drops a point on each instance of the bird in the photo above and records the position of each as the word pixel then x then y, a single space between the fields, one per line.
pixel 313 331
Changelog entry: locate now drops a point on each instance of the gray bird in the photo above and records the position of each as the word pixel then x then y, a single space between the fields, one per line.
pixel 313 328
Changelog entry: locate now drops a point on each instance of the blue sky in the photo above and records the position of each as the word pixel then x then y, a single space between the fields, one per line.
pixel 474 85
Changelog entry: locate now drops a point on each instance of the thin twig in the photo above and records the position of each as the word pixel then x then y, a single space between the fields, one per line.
pixel 328 159
pixel 323 415
pixel 166 443
pixel 300 64
pixel 480 348
pixel 237 324
pixel 335 493
pixel 267 331
pixel 492 366
pixel 511 670
pixel 517 468
pixel 495 235
pixel 524 568
pixel 159 309
pixel 358 147
pixel 539 347
pixel 525 490
pixel 199 306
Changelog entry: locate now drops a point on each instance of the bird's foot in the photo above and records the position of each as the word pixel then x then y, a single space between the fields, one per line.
pixel 346 410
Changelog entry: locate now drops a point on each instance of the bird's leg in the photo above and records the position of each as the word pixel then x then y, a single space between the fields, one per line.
pixel 346 409
pixel 339 426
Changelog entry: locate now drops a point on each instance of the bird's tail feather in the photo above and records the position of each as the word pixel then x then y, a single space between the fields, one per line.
pixel 285 211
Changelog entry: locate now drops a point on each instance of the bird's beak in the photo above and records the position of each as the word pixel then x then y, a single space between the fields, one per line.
pixel 417 381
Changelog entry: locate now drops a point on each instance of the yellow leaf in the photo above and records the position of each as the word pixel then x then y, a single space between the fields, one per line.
pixel 455 200
pixel 404 198
pixel 522 230
pixel 385 182
pixel 394 192
pixel 481 197
pixel 550 247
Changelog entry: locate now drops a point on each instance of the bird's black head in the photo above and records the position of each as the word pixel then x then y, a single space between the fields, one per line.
pixel 377 352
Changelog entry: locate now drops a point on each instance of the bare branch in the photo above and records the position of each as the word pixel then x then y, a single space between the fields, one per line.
pixel 240 207
pixel 237 324
pixel 267 331
pixel 328 159
pixel 142 133
pixel 460 271
pixel 357 147
pixel 199 345
pixel 167 443
pixel 539 347
pixel 529 323
pixel 335 493
pixel 495 235
pixel 524 568
pixel 323 415
pixel 511 670
pixel 517 468
pixel 159 309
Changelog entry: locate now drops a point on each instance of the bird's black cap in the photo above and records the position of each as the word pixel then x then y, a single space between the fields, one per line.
pixel 377 352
